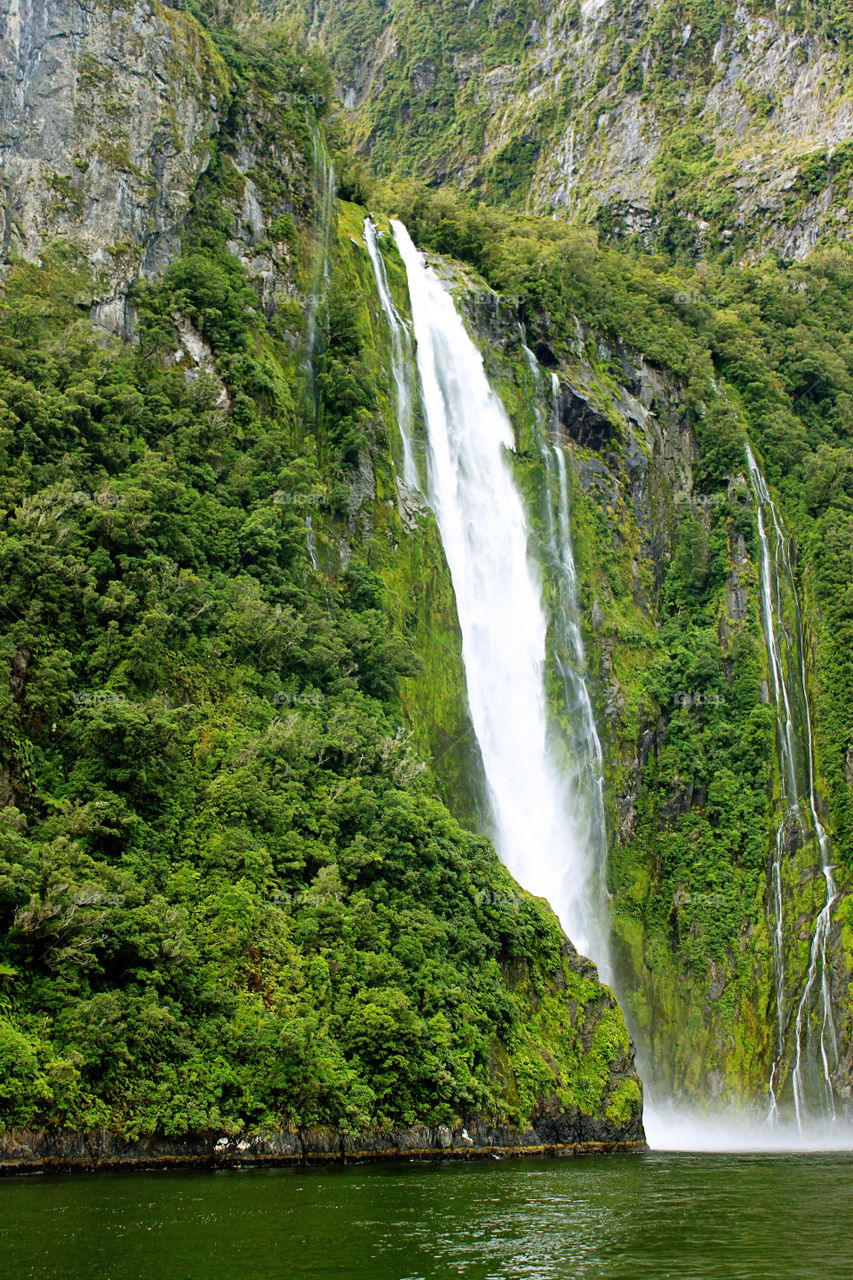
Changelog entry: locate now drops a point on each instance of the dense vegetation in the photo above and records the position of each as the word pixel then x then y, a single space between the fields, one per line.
pixel 229 895
pixel 763 352
pixel 499 99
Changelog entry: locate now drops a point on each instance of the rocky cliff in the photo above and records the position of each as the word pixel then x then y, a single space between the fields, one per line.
pixel 223 770
pixel 706 125
pixel 106 120
pixel 690 889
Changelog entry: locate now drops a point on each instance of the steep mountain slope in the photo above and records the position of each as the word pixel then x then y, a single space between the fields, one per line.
pixel 704 126
pixel 232 899
pixel 668 557
pixel 711 132
pixel 241 888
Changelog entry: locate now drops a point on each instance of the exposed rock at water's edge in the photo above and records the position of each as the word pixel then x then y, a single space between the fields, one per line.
pixel 549 1135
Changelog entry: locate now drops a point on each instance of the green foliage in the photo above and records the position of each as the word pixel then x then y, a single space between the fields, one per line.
pixel 229 897
pixel 763 350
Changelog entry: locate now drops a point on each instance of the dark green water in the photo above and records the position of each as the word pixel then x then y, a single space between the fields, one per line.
pixel 689 1217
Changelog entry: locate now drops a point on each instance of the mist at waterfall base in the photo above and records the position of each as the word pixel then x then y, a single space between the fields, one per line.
pixel 544 824
pixel 803 1011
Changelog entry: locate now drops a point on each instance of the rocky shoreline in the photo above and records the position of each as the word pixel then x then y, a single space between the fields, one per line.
pixel 67 1151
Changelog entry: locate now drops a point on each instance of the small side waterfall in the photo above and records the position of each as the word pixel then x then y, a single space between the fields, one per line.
pixel 499 597
pixel 581 763
pixel 324 197
pixel 814 1049
pixel 311 542
pixel 401 355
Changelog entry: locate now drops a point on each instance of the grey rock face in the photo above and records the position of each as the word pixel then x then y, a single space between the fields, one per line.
pixel 106 115
pixel 554 1131
pixel 770 95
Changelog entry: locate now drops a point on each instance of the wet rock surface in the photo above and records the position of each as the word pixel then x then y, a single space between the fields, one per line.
pixel 553 1132
pixel 106 120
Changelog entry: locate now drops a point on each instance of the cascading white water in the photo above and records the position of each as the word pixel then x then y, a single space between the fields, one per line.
pixel 401 355
pixel 311 542
pixel 796 765
pixel 771 616
pixel 578 704
pixel 485 535
pixel 581 766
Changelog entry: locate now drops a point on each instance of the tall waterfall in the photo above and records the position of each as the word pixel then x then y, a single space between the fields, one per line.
pixel 809 1004
pixel 401 355
pixel 499 597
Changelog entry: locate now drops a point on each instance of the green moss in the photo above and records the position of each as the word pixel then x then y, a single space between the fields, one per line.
pixel 626 1103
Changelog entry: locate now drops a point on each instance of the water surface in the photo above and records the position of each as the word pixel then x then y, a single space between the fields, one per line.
pixel 689 1217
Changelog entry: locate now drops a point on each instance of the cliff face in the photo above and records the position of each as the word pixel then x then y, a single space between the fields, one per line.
pixel 106 118
pixel 731 119
pixel 689 878
pixel 224 466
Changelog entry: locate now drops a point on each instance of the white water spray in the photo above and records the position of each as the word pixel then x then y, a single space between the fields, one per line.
pixel 796 764
pixel 499 602
pixel 401 355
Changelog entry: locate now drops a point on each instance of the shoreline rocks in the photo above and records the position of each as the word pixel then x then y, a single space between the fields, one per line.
pixel 67 1151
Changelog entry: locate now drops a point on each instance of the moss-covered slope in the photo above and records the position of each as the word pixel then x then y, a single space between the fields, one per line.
pixel 232 897
pixel 696 126
pixel 666 547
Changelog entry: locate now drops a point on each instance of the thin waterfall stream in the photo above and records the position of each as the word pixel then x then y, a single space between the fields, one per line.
pixel 581 766
pixel 814 1048
pixel 324 197
pixel 401 355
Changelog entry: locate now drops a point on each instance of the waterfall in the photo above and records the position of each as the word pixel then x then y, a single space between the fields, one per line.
pixel 582 768
pixel 538 832
pixel 798 799
pixel 311 542
pixel 401 355
pixel 324 196
pixel 588 754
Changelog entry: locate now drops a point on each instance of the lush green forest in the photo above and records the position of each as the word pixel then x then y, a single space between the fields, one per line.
pixel 230 896
pixel 240 885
